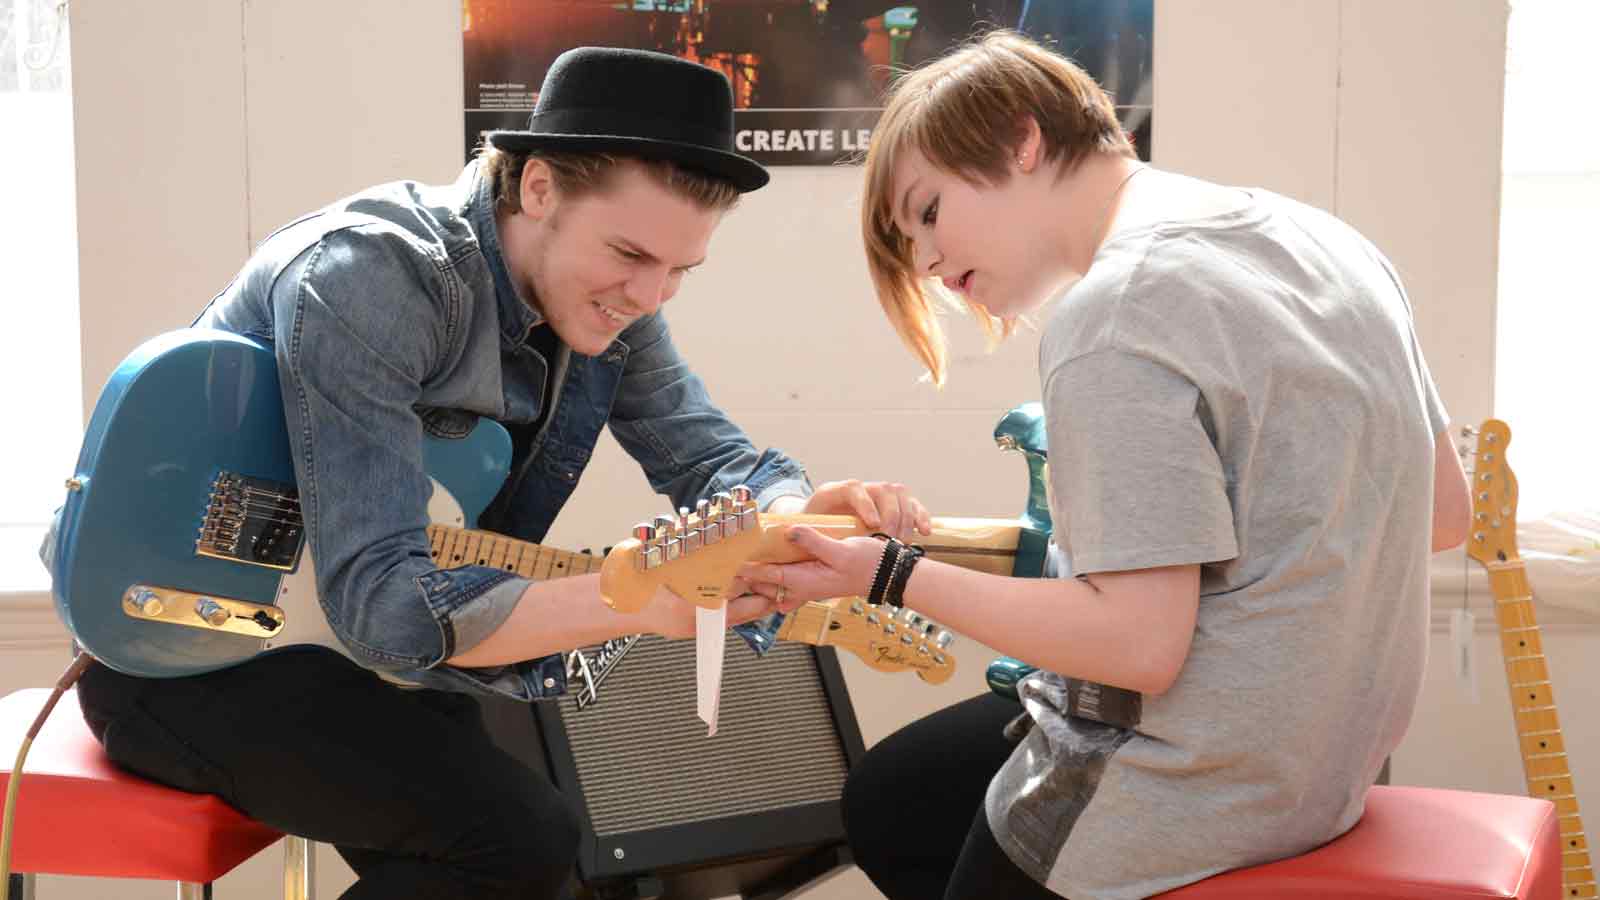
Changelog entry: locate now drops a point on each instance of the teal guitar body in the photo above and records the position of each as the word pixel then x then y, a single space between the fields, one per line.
pixel 1023 430
pixel 180 543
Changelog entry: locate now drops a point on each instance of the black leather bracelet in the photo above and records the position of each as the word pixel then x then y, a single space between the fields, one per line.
pixel 880 581
pixel 895 594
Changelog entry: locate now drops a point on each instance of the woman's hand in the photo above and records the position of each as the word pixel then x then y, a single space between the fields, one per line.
pixel 839 568
pixel 882 505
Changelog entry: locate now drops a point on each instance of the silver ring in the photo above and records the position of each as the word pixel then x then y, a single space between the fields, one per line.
pixel 782 592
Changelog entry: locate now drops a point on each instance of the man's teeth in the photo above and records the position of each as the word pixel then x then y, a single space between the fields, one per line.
pixel 610 313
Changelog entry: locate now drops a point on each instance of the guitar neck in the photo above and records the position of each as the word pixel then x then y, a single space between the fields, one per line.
pixel 1544 752
pixel 452 547
pixel 984 545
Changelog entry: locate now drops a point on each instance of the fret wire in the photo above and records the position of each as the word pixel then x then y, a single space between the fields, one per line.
pixel 497 551
pixel 474 548
pixel 456 551
pixel 560 564
pixel 541 564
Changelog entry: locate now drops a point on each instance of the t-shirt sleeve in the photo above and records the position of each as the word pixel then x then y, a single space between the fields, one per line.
pixel 1135 479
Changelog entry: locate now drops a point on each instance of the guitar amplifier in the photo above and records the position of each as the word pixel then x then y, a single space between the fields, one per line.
pixel 668 812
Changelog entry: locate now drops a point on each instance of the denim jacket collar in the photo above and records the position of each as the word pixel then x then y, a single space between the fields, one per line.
pixel 517 316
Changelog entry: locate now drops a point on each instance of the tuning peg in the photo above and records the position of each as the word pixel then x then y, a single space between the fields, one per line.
pixel 689 535
pixel 727 513
pixel 1469 431
pixel 667 537
pixel 944 640
pixel 746 507
pixel 710 531
pixel 648 555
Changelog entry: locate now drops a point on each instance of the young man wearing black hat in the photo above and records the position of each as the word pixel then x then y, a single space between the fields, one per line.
pixel 528 292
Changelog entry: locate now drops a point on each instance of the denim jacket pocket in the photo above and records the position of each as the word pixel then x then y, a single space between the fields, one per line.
pixel 446 423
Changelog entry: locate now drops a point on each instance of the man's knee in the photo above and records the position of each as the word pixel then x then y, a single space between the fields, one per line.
pixel 537 849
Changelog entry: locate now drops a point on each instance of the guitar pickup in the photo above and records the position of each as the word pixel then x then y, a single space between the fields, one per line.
pixel 204 611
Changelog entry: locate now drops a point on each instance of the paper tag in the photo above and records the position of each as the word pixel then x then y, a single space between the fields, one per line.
pixel 710 638
pixel 1461 635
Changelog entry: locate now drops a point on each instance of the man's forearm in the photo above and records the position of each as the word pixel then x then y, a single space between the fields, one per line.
pixel 551 617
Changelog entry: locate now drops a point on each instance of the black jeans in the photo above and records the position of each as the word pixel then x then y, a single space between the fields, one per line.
pixel 913 808
pixel 406 784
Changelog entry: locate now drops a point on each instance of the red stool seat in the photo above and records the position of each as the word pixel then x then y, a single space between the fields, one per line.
pixel 77 814
pixel 1415 844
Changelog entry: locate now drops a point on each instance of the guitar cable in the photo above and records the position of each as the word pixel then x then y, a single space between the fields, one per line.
pixel 68 678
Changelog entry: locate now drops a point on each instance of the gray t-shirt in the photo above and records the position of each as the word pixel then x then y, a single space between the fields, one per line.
pixel 1245 392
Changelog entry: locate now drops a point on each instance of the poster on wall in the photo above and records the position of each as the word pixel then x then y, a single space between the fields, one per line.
pixel 807 75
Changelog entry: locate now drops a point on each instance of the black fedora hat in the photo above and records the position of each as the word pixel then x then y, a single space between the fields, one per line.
pixel 639 103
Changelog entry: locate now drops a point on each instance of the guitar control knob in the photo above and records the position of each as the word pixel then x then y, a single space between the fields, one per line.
pixel 211 612
pixel 146 601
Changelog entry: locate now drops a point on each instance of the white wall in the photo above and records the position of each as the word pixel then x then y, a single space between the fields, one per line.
pixel 203 124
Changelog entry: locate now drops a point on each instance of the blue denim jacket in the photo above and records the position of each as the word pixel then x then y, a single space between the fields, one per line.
pixel 392 314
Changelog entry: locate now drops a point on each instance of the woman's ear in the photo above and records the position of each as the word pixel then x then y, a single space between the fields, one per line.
pixel 1029 147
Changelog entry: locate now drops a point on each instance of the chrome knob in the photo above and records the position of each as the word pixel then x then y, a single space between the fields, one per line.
pixel 211 612
pixel 146 601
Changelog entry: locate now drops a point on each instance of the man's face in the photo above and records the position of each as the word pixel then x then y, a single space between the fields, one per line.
pixel 595 263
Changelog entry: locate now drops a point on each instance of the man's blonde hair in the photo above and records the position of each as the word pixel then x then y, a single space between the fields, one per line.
pixel 576 174
pixel 966 113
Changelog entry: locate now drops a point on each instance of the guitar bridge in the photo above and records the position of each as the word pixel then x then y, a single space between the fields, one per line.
pixel 253 521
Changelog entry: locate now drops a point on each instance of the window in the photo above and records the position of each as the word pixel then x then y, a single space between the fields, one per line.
pixel 1549 301
pixel 39 358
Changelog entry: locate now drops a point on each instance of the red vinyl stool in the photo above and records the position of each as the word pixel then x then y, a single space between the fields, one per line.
pixel 1415 844
pixel 78 814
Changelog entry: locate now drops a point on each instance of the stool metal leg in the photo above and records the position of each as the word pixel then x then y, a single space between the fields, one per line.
pixel 194 890
pixel 20 887
pixel 299 868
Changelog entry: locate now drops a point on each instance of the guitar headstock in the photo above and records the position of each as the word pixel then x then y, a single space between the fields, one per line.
pixel 1494 497
pixel 695 554
pixel 884 638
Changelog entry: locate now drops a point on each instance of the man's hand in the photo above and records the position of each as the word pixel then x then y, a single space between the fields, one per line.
pixel 839 568
pixel 883 506
pixel 671 616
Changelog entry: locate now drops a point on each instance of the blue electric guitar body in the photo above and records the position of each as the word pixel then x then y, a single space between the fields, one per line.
pixel 181 533
pixel 1023 430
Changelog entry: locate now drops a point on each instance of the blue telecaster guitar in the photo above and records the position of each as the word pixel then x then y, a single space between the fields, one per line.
pixel 180 545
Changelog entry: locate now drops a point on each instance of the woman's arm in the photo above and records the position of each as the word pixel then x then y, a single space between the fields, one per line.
pixel 1124 629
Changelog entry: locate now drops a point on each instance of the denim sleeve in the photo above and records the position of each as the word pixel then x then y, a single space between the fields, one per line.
pixel 689 449
pixel 361 320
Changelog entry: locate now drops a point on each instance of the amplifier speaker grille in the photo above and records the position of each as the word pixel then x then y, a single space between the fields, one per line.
pixel 643 758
